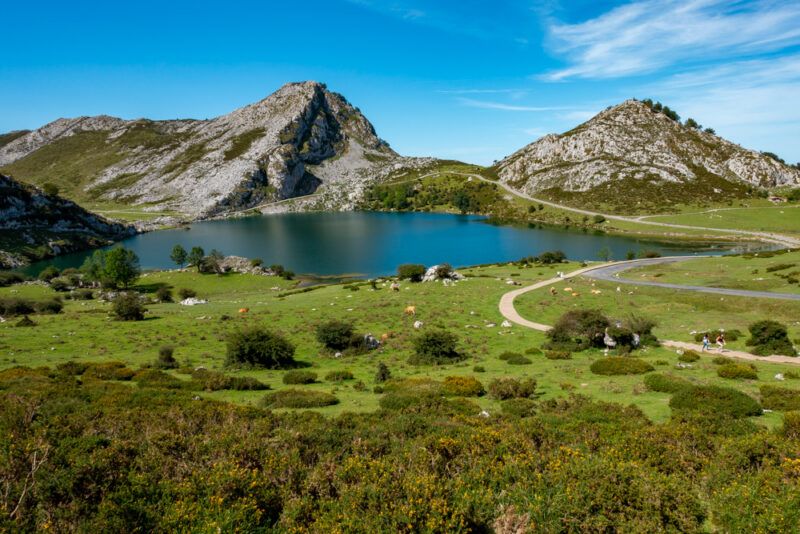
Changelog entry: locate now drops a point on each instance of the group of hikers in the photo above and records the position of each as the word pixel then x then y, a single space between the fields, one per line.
pixel 720 342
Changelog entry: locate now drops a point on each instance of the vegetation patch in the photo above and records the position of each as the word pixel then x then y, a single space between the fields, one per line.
pixel 737 370
pixel 715 400
pixel 665 383
pixel 259 347
pixel 241 143
pixel 463 386
pixel 512 388
pixel 299 377
pixel 769 337
pixel 299 398
pixel 779 398
pixel 616 365
pixel 435 347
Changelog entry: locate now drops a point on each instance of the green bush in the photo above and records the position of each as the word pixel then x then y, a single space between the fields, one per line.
pixel 299 398
pixel 730 335
pixel 791 421
pixel 779 398
pixel 519 407
pixel 715 400
pixel 335 334
pixel 769 337
pixel 8 278
pixel 478 369
pixel 577 330
pixel 737 370
pixel 299 377
pixel 83 294
pixel 72 368
pixel 532 351
pixel 128 307
pixel 14 306
pixel 435 347
pixel 208 380
pixel 25 322
pixel 463 386
pixel 557 355
pixel 151 378
pixel 383 373
pixel 688 356
pixel 49 273
pixel 186 293
pixel 616 365
pixel 507 355
pixel 163 294
pixel 59 284
pixel 512 388
pixel 113 370
pixel 259 347
pixel 665 383
pixel 165 359
pixel 49 306
pixel 721 360
pixel 519 360
pixel 412 271
pixel 246 383
pixel 338 376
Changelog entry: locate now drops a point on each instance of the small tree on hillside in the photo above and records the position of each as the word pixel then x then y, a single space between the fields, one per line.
pixel 178 255
pixel 121 266
pixel 335 334
pixel 93 266
pixel 50 188
pixel 195 255
pixel 605 254
pixel 258 347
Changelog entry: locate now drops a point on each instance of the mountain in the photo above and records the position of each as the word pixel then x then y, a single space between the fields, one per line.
pixel 36 225
pixel 631 158
pixel 297 140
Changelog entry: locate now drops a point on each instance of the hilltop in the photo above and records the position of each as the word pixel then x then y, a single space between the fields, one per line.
pixel 632 158
pixel 300 139
pixel 38 225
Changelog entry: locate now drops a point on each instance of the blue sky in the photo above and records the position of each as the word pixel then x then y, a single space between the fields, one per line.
pixel 469 80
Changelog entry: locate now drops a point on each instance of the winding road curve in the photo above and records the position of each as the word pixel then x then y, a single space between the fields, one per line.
pixel 606 272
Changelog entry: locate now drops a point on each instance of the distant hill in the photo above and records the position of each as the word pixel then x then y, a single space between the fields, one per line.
pixel 630 158
pixel 298 139
pixel 36 225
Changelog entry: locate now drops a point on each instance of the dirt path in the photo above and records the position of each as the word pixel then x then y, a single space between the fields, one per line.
pixel 508 311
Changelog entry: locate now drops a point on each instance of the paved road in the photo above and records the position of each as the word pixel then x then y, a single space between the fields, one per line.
pixel 609 272
pixel 508 311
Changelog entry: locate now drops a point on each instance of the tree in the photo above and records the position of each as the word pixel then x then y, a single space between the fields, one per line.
pixel 335 334
pixel 92 267
pixel 691 123
pixel 412 271
pixel 178 255
pixel 128 307
pixel 195 255
pixel 630 255
pixel 711 131
pixel 216 254
pixel 258 347
pixel 461 201
pixel 605 254
pixel 121 266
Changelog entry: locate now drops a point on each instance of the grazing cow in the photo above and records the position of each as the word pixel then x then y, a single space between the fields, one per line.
pixel 568 289
pixel 596 291
pixel 244 310
pixel 395 286
pixel 553 291
pixel 575 294
pixel 411 310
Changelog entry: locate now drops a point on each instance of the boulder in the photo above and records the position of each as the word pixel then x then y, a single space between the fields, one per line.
pixel 192 301
pixel 370 342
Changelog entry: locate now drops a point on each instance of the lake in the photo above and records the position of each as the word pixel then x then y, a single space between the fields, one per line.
pixel 375 243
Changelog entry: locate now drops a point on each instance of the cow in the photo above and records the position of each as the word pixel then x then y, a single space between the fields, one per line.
pixel 553 291
pixel 411 310
pixel 244 310
pixel 395 286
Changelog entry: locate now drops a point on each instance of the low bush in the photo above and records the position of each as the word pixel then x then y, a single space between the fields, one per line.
pixel 791 423
pixel 13 306
pixel 299 398
pixel 512 388
pixel 737 370
pixel 59 284
pixel 208 380
pixel 664 383
pixel 769 337
pixel 412 271
pixel 616 365
pixel 730 335
pixel 578 330
pixel 519 407
pixel 383 373
pixel 72 368
pixel 688 356
pixel 128 307
pixel 338 376
pixel 463 386
pixel 186 293
pixel 557 355
pixel 715 400
pixel 335 334
pixel 791 374
pixel 532 351
pixel 519 359
pixel 507 355
pixel 113 370
pixel 165 359
pixel 399 401
pixel 164 294
pixel 49 273
pixel 152 378
pixel 299 377
pixel 721 360
pixel 435 347
pixel 259 347
pixel 246 383
pixel 83 294
pixel 779 398
pixel 49 306
pixel 25 322
pixel 8 278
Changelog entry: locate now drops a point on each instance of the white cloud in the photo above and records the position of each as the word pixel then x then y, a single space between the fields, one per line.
pixel 478 91
pixel 649 35
pixel 505 107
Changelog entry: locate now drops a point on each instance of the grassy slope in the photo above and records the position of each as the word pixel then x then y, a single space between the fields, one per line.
pixel 84 331
pixel 778 219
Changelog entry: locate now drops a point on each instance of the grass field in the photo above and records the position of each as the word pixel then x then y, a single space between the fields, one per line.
pixel 775 219
pixel 85 332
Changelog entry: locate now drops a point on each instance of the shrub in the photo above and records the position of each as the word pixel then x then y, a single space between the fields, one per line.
pixel 165 359
pixel 616 365
pixel 554 256
pixel 339 376
pixel 59 284
pixel 463 386
pixel 769 337
pixel 299 377
pixel 507 355
pixel 49 306
pixel 8 278
pixel 519 359
pixel 163 294
pixel 519 407
pixel 557 355
pixel 664 383
pixel 445 270
pixel 412 271
pixel 72 368
pixel 578 329
pixel 49 273
pixel 688 356
pixel 791 374
pixel 778 398
pixel 128 307
pixel 299 398
pixel 715 400
pixel 512 388
pixel 247 383
pixel 730 335
pixel 113 370
pixel 533 351
pixel 410 400
pixel 25 321
pixel 186 293
pixel 210 380
pixel 478 369
pixel 435 347
pixel 256 262
pixel 12 306
pixel 383 373
pixel 258 347
pixel 791 421
pixel 622 335
pixel 721 360
pixel 737 370
pixel 156 379
pixel 83 294
pixel 335 334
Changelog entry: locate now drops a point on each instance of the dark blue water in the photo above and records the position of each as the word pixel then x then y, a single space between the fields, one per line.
pixel 373 243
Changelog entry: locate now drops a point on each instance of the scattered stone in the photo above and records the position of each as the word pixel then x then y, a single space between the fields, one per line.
pixel 505 324
pixel 417 324
pixel 779 376
pixel 490 325
pixel 483 413
pixel 192 301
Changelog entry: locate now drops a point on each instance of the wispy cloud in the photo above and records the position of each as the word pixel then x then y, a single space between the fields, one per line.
pixel 505 107
pixel 645 36
pixel 479 91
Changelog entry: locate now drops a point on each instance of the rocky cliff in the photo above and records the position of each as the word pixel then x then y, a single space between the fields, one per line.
pixel 36 225
pixel 630 158
pixel 297 140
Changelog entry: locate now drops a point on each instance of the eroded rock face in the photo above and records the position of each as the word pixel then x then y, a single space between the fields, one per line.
pixel 297 140
pixel 631 142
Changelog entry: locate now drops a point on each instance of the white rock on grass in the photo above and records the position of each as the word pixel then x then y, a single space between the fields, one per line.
pixel 192 301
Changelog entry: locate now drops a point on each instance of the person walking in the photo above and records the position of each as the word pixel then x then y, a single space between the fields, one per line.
pixel 706 344
pixel 721 341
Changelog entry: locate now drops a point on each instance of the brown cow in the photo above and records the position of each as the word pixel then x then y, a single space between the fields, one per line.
pixel 411 310
pixel 244 310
